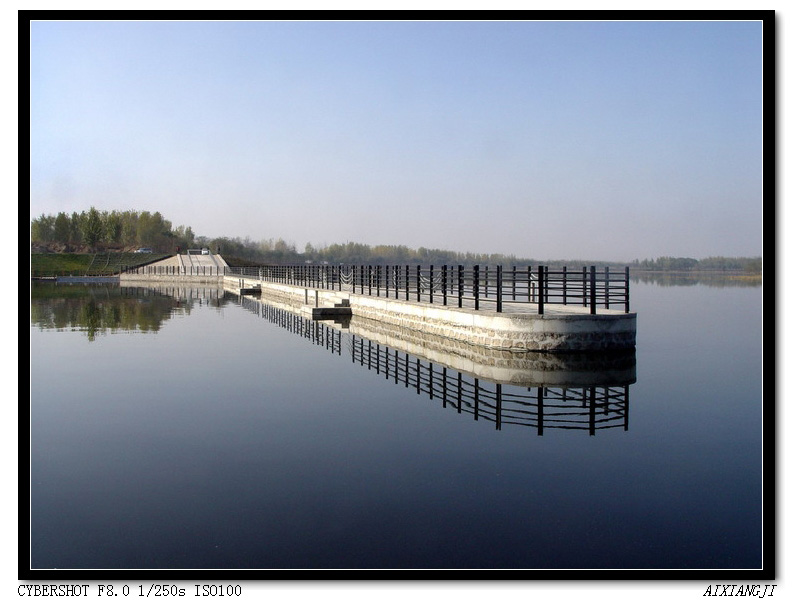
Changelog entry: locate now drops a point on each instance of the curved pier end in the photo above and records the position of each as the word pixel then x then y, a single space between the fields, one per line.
pixel 528 368
pixel 560 329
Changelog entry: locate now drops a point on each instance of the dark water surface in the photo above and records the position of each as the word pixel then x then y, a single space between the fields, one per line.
pixel 178 429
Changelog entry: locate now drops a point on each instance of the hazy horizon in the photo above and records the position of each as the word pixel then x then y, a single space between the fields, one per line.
pixel 611 141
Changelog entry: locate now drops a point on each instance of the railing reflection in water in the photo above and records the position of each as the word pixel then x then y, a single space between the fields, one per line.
pixel 318 333
pixel 591 408
pixel 543 407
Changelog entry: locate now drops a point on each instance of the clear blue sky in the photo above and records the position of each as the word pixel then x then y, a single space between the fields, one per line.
pixel 548 140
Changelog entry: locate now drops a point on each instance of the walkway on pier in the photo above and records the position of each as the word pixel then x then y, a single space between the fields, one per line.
pixel 456 286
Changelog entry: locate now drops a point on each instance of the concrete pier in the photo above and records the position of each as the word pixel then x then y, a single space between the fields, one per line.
pixel 521 326
pixel 560 328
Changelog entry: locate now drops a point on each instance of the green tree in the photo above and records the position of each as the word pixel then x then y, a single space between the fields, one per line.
pixel 41 229
pixel 62 228
pixel 112 226
pixel 75 228
pixel 92 227
pixel 129 227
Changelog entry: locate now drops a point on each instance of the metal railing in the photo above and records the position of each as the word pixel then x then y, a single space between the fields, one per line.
pixel 455 285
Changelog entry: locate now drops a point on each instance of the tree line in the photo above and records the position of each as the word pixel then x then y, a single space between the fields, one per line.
pixel 272 251
pixel 713 263
pixel 111 229
pixel 94 228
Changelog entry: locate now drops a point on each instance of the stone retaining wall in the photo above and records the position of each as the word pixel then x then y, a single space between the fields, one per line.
pixel 513 332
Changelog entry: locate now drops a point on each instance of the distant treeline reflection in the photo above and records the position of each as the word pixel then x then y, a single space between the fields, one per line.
pixel 98 309
pixel 709 279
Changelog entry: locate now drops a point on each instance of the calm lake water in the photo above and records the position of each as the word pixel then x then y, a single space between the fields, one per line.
pixel 181 428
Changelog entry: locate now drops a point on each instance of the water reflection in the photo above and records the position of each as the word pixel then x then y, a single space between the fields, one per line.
pixel 532 389
pixel 98 309
pixel 719 280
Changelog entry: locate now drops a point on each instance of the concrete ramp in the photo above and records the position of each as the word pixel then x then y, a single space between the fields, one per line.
pixel 219 260
pixel 203 260
pixel 192 262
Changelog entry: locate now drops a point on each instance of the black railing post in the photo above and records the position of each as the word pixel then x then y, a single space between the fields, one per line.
pixel 529 294
pixel 432 282
pixel 626 405
pixel 459 286
pixel 418 283
pixel 498 406
pixel 476 287
pixel 584 292
pixel 386 281
pixel 627 290
pixel 443 388
pixel 407 282
pixel 499 306
pixel 540 290
pixel 606 286
pixel 444 273
pixel 592 292
pixel 476 400
pixel 514 277
pixel 564 285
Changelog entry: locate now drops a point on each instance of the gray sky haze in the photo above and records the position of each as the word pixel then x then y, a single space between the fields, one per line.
pixel 548 140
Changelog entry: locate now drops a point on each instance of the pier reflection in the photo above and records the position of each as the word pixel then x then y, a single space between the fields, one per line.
pixel 591 407
pixel 535 390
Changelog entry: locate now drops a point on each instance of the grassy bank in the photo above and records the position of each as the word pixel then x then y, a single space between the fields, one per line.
pixel 106 263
